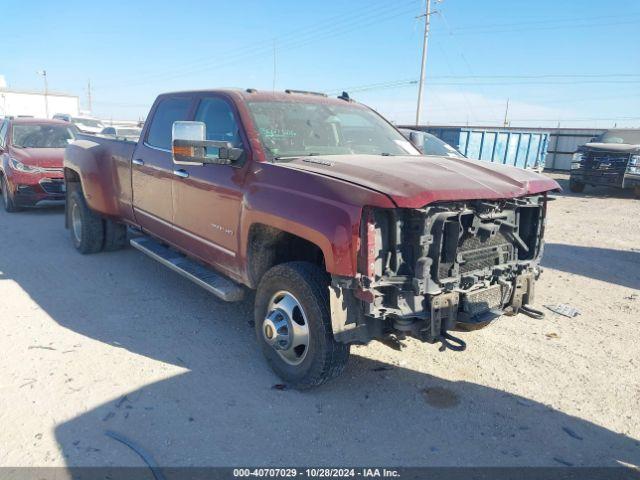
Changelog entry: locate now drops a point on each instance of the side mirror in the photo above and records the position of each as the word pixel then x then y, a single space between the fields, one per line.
pixel 190 147
pixel 417 139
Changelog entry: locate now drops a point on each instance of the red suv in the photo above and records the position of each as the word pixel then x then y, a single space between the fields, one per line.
pixel 31 154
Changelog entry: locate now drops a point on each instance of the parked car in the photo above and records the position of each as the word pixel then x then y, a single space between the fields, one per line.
pixel 130 133
pixel 345 232
pixel 429 144
pixel 31 155
pixel 612 160
pixel 83 123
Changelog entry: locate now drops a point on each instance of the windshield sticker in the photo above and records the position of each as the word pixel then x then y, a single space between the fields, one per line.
pixel 277 133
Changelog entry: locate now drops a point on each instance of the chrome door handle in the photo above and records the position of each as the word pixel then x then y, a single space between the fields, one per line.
pixel 138 161
pixel 181 173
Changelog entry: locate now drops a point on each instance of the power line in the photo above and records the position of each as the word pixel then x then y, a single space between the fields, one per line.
pixel 346 25
pixel 319 26
pixel 548 27
pixel 409 82
pixel 555 23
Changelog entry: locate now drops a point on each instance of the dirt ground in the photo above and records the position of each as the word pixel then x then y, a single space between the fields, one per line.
pixel 116 342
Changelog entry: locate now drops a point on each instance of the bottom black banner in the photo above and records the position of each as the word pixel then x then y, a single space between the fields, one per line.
pixel 404 473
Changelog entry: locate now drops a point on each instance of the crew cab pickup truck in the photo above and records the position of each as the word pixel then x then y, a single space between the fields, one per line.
pixel 611 159
pixel 344 230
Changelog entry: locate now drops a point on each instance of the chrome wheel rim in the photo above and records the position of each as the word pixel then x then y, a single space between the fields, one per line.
pixel 285 328
pixel 76 223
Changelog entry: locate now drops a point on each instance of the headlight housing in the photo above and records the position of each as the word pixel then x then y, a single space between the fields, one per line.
pixel 16 164
pixel 634 165
pixel 575 160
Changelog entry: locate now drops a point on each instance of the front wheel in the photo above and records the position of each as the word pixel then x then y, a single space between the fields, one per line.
pixel 636 191
pixel 87 228
pixel 293 325
pixel 575 186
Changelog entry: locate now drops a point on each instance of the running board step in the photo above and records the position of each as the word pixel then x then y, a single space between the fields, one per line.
pixel 215 283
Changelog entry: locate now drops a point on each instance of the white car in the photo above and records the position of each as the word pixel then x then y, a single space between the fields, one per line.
pixel 84 124
pixel 128 133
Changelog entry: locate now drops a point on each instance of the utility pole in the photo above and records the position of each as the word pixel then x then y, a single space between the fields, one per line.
pixel 506 114
pixel 427 20
pixel 43 73
pixel 89 95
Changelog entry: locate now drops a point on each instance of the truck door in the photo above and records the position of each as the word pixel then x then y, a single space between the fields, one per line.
pixel 207 199
pixel 152 167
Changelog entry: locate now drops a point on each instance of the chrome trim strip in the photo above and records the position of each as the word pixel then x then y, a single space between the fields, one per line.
pixel 193 164
pixel 156 148
pixel 185 232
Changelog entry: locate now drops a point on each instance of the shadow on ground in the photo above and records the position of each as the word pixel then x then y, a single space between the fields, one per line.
pixel 613 266
pixel 223 409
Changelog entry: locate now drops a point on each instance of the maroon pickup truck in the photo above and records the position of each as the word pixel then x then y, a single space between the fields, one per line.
pixel 347 233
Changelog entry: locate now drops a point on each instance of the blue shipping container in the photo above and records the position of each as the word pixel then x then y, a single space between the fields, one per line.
pixel 524 149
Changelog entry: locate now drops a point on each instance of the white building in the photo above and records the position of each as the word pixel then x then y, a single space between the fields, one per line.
pixel 36 104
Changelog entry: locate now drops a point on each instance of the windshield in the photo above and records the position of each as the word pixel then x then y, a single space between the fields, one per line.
pixel 295 129
pixel 87 122
pixel 629 137
pixel 41 136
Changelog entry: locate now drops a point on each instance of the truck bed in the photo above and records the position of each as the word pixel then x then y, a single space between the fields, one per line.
pixel 105 166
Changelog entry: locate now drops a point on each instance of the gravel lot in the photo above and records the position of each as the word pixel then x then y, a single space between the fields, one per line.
pixel 116 342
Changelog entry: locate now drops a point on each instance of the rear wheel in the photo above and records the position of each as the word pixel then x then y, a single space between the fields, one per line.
pixel 575 186
pixel 293 325
pixel 7 198
pixel 87 228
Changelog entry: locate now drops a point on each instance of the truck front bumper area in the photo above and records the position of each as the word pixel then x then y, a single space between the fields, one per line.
pixel 357 321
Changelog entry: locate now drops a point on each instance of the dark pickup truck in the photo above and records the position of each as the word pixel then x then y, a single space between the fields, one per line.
pixel 610 160
pixel 347 233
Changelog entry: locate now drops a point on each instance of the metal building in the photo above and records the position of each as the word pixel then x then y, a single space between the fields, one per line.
pixel 36 104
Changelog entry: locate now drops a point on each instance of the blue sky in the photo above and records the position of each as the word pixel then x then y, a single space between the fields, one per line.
pixel 573 62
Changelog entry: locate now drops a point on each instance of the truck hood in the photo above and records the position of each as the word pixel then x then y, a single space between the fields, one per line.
pixel 415 181
pixel 39 157
pixel 611 147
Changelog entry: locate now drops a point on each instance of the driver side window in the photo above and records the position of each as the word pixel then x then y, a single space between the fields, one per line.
pixel 221 123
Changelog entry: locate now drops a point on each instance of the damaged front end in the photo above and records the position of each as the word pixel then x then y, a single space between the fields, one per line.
pixel 448 266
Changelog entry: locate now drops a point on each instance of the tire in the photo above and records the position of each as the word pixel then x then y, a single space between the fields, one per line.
pixel 576 187
pixel 636 191
pixel 115 236
pixel 323 358
pixel 7 199
pixel 87 228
